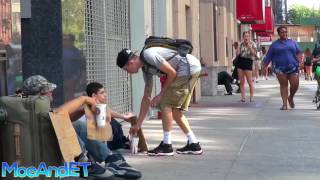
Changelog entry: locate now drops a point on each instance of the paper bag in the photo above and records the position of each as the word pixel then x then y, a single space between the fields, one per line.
pixel 66 135
pixel 142 145
pixel 93 131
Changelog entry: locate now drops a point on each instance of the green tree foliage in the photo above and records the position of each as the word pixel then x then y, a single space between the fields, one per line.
pixel 73 17
pixel 299 11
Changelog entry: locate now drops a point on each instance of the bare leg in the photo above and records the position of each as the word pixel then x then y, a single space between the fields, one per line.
pixel 248 75
pixel 294 85
pixel 242 81
pixel 167 119
pixel 181 120
pixel 283 81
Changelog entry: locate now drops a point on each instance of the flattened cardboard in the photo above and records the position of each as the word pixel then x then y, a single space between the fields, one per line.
pixel 67 137
pixel 93 131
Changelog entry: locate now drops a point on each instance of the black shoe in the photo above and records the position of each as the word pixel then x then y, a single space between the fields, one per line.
pixel 162 150
pixel 193 148
pixel 229 93
pixel 122 172
pixel 117 159
pixel 95 171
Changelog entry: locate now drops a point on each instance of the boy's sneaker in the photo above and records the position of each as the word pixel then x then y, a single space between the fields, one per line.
pixel 118 159
pixel 193 148
pixel 95 171
pixel 123 172
pixel 162 150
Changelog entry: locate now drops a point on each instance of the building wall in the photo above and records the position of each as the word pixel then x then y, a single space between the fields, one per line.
pixel 185 24
pixel 5 21
pixel 138 34
pixel 218 30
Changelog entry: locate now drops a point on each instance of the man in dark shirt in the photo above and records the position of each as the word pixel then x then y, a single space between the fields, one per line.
pixel 225 79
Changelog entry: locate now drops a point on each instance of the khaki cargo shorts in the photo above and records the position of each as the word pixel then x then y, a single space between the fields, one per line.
pixel 179 93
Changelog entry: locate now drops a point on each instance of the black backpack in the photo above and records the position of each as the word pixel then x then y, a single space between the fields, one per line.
pixel 182 46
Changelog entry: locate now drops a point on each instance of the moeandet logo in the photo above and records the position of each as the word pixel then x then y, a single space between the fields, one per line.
pixel 71 169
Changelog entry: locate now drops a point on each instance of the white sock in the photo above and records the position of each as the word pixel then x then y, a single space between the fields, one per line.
pixel 192 138
pixel 167 137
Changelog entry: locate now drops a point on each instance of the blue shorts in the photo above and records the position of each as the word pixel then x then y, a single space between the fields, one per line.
pixel 290 69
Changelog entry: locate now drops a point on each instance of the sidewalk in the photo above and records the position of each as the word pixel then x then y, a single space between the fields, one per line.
pixel 242 141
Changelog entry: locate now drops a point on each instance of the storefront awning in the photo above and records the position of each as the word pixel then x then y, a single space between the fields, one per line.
pixel 268 25
pixel 250 11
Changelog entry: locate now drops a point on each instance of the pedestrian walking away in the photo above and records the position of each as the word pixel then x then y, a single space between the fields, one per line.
pixel 174 98
pixel 285 55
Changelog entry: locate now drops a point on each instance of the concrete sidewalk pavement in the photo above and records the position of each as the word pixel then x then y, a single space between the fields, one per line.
pixel 242 141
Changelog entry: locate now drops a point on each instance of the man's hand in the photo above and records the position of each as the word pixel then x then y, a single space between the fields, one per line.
pixel 128 116
pixel 155 100
pixel 134 129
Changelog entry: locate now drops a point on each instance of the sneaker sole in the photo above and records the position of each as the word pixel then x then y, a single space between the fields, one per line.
pixel 191 152
pixel 161 154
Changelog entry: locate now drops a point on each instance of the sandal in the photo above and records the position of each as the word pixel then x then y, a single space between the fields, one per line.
pixel 252 99
pixel 283 108
pixel 243 100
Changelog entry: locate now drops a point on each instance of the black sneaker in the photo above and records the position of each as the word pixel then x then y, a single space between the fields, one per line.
pixel 123 172
pixel 95 171
pixel 193 148
pixel 162 150
pixel 118 159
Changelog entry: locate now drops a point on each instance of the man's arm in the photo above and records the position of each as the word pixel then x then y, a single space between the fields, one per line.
pixel 171 76
pixel 145 104
pixel 125 117
pixel 73 107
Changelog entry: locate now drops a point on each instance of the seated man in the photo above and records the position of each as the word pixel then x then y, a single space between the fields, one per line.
pixel 116 165
pixel 101 152
pixel 97 91
pixel 225 79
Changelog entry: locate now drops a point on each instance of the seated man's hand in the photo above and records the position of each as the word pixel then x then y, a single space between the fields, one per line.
pixel 128 116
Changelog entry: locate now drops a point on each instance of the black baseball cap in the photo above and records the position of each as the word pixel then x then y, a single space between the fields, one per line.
pixel 123 57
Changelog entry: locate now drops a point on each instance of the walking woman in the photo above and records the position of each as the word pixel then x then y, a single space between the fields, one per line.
pixel 308 64
pixel 285 55
pixel 247 53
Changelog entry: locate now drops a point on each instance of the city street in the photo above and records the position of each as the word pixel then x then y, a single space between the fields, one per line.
pixel 242 141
